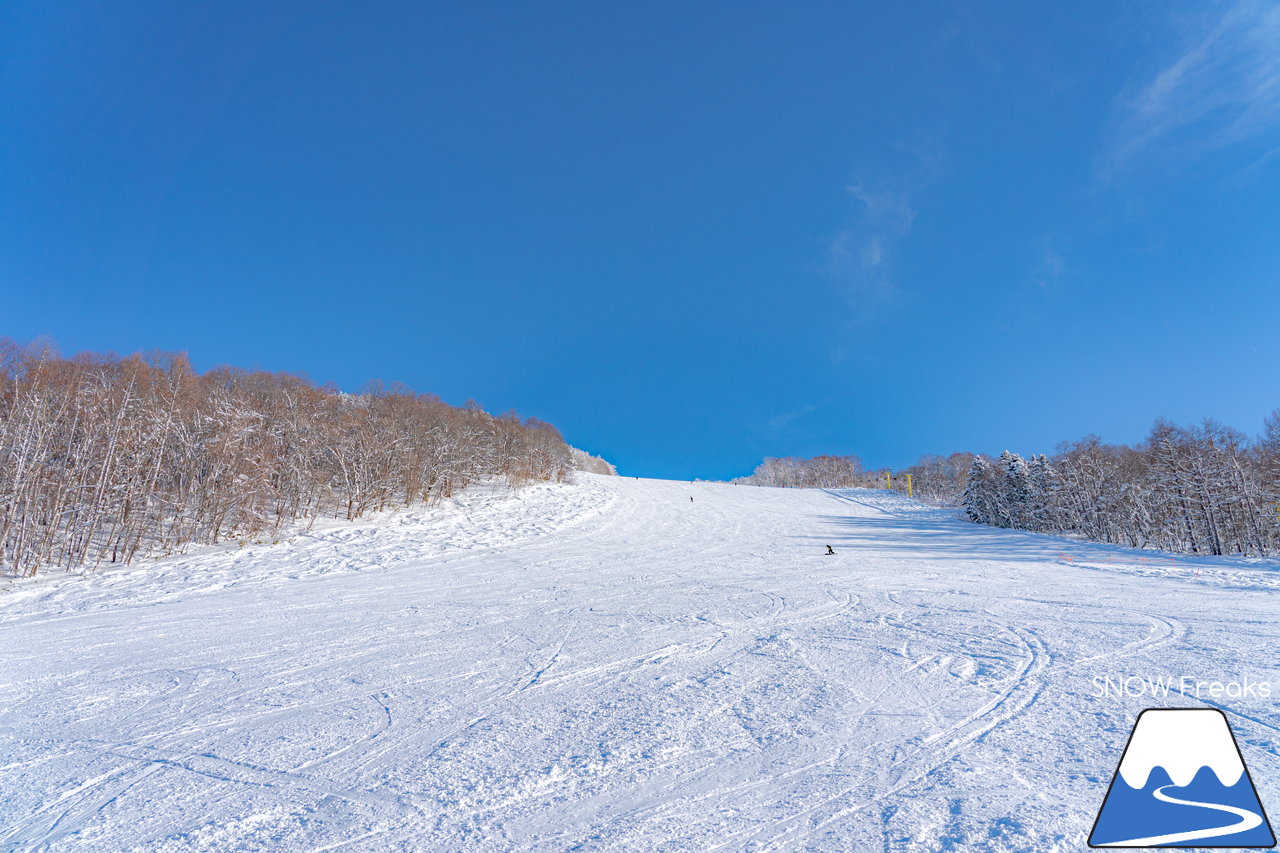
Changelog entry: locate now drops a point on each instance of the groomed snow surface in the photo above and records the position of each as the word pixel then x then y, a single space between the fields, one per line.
pixel 612 666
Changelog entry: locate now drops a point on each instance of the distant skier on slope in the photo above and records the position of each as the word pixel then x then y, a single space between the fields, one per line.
pixel 830 552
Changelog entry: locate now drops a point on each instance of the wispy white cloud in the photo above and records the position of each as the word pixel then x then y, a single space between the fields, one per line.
pixel 1049 270
pixel 1221 86
pixel 860 254
pixel 782 420
pixel 885 208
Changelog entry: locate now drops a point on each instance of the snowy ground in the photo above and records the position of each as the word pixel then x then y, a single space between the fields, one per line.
pixel 611 666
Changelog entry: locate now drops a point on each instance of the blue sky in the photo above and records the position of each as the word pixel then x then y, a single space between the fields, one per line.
pixel 690 235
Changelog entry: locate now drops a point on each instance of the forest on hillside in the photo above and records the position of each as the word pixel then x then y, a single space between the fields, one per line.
pixel 106 458
pixel 1206 489
pixel 1203 489
pixel 827 472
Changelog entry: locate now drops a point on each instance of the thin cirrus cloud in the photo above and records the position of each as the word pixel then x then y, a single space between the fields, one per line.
pixel 1222 86
pixel 1049 270
pixel 781 421
pixel 859 255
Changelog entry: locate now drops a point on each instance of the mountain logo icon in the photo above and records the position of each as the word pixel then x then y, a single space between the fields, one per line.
pixel 1182 782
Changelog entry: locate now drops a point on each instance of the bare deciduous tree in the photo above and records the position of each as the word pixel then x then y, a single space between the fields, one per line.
pixel 105 459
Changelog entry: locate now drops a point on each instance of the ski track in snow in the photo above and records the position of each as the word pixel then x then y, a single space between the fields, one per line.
pixel 609 666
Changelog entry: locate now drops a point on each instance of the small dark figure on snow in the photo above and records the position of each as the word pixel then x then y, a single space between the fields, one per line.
pixel 690 498
pixel 830 551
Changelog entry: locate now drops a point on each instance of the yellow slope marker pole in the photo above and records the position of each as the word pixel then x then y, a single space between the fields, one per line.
pixel 886 481
pixel 908 485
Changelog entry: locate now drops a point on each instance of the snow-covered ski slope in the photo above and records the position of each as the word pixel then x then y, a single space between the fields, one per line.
pixel 612 666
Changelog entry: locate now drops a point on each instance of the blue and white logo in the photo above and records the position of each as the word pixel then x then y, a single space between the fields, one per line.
pixel 1182 783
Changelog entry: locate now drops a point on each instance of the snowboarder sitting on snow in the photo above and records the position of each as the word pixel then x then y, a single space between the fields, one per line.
pixel 830 552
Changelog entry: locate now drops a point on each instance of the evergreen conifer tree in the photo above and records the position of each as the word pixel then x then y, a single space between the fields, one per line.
pixel 979 493
pixel 1044 484
pixel 1015 491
